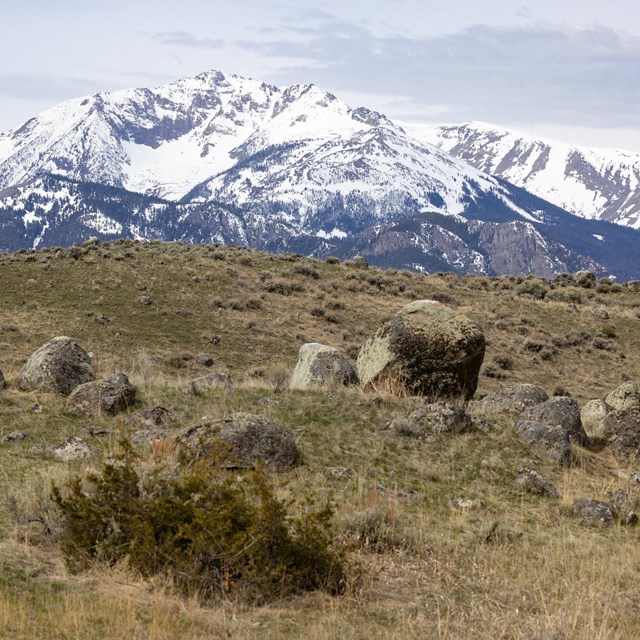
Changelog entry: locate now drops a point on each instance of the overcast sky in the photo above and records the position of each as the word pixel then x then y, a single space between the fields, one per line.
pixel 565 69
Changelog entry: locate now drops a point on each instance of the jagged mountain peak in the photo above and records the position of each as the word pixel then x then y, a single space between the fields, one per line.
pixel 589 182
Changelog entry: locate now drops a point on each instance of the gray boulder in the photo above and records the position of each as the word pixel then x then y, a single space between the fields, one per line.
pixel 432 420
pixel 622 433
pixel 103 397
pixel 625 396
pixel 73 448
pixel 549 442
pixel 59 367
pixel 584 279
pixel 512 400
pixel 593 415
pixel 534 482
pixel 239 441
pixel 593 511
pixel 203 384
pixel 561 411
pixel 321 366
pixel 151 418
pixel 427 349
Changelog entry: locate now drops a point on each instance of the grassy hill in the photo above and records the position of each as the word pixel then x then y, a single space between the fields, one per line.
pixel 441 542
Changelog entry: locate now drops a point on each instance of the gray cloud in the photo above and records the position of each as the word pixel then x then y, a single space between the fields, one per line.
pixel 187 39
pixel 539 73
pixel 40 86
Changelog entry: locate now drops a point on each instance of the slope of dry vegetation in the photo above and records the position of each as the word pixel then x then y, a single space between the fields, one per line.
pixel 422 563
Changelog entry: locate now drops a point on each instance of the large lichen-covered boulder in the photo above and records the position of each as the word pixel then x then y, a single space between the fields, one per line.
pixel 625 396
pixel 239 441
pixel 427 349
pixel 58 366
pixel 321 366
pixel 102 397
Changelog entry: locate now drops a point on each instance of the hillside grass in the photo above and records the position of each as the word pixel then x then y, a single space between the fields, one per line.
pixel 507 565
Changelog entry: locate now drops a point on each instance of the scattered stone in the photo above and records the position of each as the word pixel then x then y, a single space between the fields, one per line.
pixel 534 482
pixel 593 415
pixel 467 504
pixel 513 400
pixel 200 386
pixel 550 442
pixel 73 448
pixel 622 433
pixel 426 349
pixel 561 411
pixel 150 418
pixel 593 511
pixel 600 313
pixel 144 436
pixel 145 300
pixel 205 361
pixel 239 441
pixel 36 407
pixel 59 366
pixel 108 396
pixel 625 396
pixel 321 366
pixel 96 432
pixel 340 473
pixel 15 436
pixel 432 420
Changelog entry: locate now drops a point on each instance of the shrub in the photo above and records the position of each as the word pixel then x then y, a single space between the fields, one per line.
pixel 608 331
pixel 533 287
pixel 212 534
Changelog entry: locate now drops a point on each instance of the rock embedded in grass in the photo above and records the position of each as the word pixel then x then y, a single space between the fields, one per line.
pixel 73 448
pixel 535 483
pixel 593 415
pixel 58 366
pixel 593 511
pixel 321 366
pixel 549 442
pixel 427 349
pixel 561 411
pixel 432 420
pixel 622 433
pixel 109 396
pixel 513 399
pixel 625 396
pixel 240 441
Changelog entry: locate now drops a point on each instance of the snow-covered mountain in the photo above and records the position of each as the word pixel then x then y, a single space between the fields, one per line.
pixel 220 158
pixel 593 183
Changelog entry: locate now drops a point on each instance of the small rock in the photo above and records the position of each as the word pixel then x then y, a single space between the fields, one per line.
pixel 432 420
pixel 600 313
pixel 145 300
pixel 358 262
pixel 467 504
pixel 341 473
pixel 96 432
pixel 550 442
pixel 36 407
pixel 15 436
pixel 535 483
pixel 205 361
pixel 73 448
pixel 143 436
pixel 593 511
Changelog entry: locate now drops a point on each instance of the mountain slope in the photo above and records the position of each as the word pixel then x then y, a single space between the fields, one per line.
pixel 591 183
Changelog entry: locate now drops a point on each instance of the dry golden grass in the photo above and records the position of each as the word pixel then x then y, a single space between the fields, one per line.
pixel 512 566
